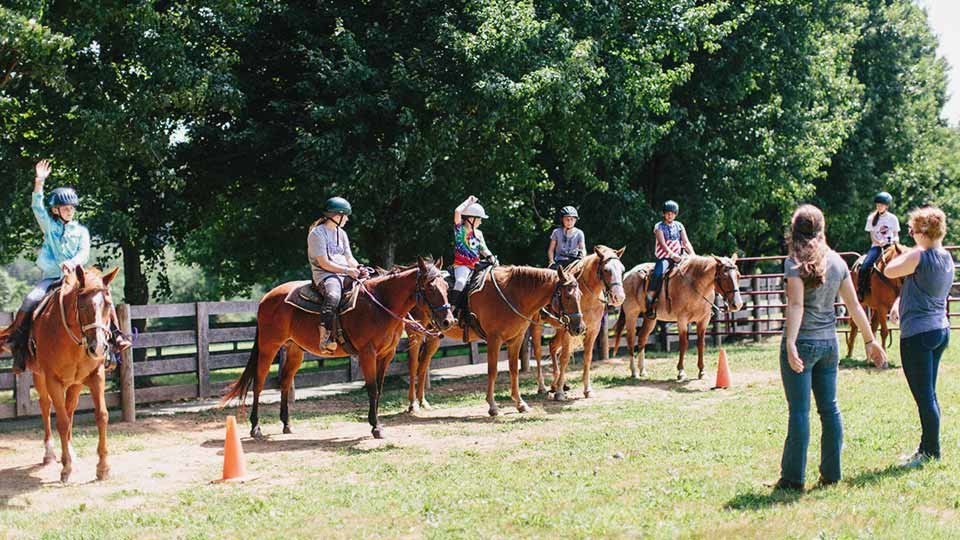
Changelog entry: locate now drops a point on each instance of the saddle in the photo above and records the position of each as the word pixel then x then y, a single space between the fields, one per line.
pixel 305 297
pixel 475 283
pixel 645 270
pixel 876 269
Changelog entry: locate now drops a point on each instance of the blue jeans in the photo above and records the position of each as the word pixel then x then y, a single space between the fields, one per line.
pixel 820 364
pixel 920 357
pixel 659 270
pixel 867 267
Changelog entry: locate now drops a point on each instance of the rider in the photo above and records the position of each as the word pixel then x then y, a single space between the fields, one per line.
pixel 66 245
pixel 332 265
pixel 884 229
pixel 566 243
pixel 469 245
pixel 672 244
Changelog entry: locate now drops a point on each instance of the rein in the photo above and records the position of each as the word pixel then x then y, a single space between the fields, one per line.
pixel 716 281
pixel 82 340
pixel 563 319
pixel 409 324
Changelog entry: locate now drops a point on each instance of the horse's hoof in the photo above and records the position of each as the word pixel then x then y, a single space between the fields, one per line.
pixel 377 432
pixel 642 374
pixel 47 460
pixel 681 376
pixel 414 407
pixel 493 411
pixel 542 391
pixel 635 376
pixel 587 392
pixel 700 375
pixel 103 473
pixel 566 388
pixel 287 430
pixel 256 433
pixel 65 475
pixel 523 407
pixel 425 405
pixel 559 396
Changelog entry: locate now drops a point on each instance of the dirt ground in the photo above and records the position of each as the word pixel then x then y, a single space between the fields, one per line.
pixel 167 454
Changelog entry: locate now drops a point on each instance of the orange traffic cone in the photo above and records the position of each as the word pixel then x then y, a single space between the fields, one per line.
pixel 723 371
pixel 234 463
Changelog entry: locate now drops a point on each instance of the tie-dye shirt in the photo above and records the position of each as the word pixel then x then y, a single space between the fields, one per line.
pixel 468 246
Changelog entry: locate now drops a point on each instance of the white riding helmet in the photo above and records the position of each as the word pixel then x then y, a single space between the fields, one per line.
pixel 474 210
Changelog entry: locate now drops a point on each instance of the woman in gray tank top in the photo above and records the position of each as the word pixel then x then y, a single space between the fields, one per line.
pixel 924 326
pixel 809 354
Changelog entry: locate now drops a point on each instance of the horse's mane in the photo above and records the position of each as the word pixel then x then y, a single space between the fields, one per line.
pixel 530 277
pixel 398 269
pixel 697 263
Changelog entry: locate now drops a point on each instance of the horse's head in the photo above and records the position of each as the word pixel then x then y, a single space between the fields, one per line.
pixel 566 302
pixel 611 269
pixel 432 291
pixel 891 252
pixel 727 283
pixel 87 294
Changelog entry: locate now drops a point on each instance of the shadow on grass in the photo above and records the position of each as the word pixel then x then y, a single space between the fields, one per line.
pixel 756 500
pixel 877 475
pixel 18 480
pixel 670 385
pixel 857 363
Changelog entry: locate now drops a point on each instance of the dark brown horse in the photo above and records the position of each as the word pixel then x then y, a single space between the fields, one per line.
pixel 600 276
pixel 373 327
pixel 880 298
pixel 511 296
pixel 71 335
pixel 692 289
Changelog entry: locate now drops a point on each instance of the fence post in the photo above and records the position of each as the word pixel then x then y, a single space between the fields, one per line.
pixel 203 350
pixel 24 380
pixel 755 314
pixel 664 337
pixel 355 373
pixel 474 352
pixel 128 402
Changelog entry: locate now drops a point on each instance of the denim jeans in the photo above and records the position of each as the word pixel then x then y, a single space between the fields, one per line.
pixel 661 267
pixel 920 356
pixel 820 364
pixel 867 267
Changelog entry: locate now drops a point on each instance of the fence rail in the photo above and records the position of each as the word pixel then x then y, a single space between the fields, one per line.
pixel 193 358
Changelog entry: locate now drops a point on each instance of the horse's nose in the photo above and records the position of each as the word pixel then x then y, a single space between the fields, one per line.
pixel 737 301
pixel 446 323
pixel 618 296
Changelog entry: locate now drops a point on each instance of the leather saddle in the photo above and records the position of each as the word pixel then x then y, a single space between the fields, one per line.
pixel 466 318
pixel 304 296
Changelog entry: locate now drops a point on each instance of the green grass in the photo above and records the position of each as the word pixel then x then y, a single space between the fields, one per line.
pixel 679 463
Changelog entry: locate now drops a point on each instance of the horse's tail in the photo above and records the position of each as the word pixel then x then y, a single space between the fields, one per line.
pixel 618 331
pixel 240 388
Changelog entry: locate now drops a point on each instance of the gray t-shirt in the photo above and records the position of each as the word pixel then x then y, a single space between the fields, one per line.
pixel 568 245
pixel 332 243
pixel 819 314
pixel 923 299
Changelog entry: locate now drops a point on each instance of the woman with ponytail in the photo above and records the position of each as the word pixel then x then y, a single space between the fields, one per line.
pixel 809 353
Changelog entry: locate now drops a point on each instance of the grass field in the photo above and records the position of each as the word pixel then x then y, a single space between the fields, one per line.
pixel 651 458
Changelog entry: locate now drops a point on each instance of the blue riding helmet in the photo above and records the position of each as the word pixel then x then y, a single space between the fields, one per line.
pixel 671 206
pixel 63 196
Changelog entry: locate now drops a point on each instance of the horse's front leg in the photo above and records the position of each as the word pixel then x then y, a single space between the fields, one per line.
pixel 427 350
pixel 368 366
pixel 513 356
pixel 493 357
pixel 684 342
pixel 39 382
pixel 414 342
pixel 536 337
pixel 642 338
pixel 593 330
pixel 95 381
pixel 701 343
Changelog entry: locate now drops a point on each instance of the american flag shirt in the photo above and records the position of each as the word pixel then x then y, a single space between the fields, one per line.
pixel 672 233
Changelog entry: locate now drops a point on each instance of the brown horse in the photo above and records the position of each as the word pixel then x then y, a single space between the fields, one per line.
pixel 511 296
pixel 693 287
pixel 598 274
pixel 71 334
pixel 373 327
pixel 880 298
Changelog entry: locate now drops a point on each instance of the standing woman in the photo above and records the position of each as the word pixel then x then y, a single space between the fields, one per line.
pixel 924 326
pixel 809 353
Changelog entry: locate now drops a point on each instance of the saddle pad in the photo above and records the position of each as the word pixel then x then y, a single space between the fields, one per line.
pixel 45 302
pixel 303 296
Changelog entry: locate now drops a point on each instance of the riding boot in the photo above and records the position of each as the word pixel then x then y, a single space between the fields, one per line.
pixel 19 343
pixel 327 341
pixel 863 283
pixel 454 297
pixel 651 306
pixel 118 343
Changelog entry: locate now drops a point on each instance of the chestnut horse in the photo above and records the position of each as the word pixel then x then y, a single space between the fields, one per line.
pixel 598 274
pixel 511 296
pixel 880 298
pixel 71 334
pixel 693 287
pixel 373 327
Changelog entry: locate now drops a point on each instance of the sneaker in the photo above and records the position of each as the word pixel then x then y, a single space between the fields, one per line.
pixel 786 485
pixel 915 461
pixel 824 483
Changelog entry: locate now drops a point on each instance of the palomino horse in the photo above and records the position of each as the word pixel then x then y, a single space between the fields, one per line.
pixel 598 274
pixel 373 327
pixel 511 296
pixel 880 298
pixel 71 334
pixel 690 298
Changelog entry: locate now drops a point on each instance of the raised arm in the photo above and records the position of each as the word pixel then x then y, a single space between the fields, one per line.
pixel 463 206
pixel 39 210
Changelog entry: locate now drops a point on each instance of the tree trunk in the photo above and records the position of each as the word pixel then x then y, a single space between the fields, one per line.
pixel 135 288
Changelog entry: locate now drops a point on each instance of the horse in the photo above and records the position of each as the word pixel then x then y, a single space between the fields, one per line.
pixel 598 274
pixel 690 296
pixel 72 334
pixel 880 298
pixel 373 328
pixel 506 304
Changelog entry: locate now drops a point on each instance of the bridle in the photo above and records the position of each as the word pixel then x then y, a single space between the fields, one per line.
pixel 718 283
pixel 82 340
pixel 554 311
pixel 607 286
pixel 410 324
pixel 421 297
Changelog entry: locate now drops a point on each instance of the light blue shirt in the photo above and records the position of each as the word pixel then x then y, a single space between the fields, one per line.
pixel 62 242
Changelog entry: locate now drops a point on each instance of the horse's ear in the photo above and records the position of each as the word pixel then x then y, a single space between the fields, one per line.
pixel 561 273
pixel 620 251
pixel 110 276
pixel 439 263
pixel 81 276
pixel 598 251
pixel 421 263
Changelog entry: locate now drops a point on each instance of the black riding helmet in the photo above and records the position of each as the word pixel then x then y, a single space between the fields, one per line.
pixel 883 198
pixel 671 206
